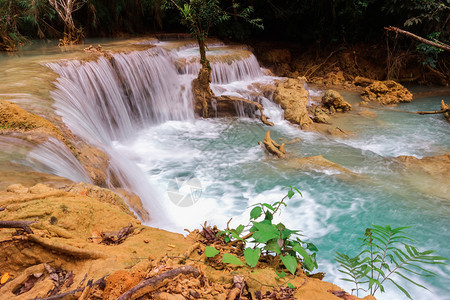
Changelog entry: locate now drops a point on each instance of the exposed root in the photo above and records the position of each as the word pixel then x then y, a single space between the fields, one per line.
pixel 273 147
pixel 25 225
pixel 66 249
pixel 154 283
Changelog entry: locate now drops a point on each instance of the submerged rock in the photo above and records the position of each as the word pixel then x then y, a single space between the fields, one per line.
pixel 293 98
pixel 430 175
pixel 335 102
pixel 320 163
pixel 386 92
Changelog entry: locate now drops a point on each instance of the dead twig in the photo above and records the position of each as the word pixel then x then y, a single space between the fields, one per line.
pixel 154 283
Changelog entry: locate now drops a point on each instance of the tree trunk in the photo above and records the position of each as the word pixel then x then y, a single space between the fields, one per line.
pixel 203 60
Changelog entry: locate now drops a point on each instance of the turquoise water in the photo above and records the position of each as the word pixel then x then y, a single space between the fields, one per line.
pixel 220 162
pixel 234 173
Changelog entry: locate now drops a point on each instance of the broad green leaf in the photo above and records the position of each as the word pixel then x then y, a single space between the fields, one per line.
pixel 211 251
pixel 239 229
pixel 273 247
pixel 255 213
pixel 290 285
pixel 290 262
pixel 264 236
pixel 309 264
pixel 290 194
pixel 231 259
pixel 269 206
pixel 311 247
pixel 252 256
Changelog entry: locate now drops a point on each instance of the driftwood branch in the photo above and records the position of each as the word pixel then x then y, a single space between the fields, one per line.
pixel 258 106
pixel 154 283
pixel 421 39
pixel 25 225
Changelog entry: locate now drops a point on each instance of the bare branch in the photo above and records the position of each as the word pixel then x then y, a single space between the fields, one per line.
pixel 439 45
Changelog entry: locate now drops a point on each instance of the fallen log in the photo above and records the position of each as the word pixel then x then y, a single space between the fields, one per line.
pixel 25 225
pixel 272 147
pixel 156 282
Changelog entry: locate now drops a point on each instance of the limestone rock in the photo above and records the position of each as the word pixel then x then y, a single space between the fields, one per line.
pixel 333 100
pixel 41 189
pixel 367 113
pixel 386 92
pixel 428 174
pixel 362 81
pixel 319 162
pixel 321 114
pixel 17 188
pixel 293 98
pixel 444 107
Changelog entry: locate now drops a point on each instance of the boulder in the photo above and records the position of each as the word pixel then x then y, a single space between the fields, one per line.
pixel 386 92
pixel 334 102
pixel 293 98
pixel 362 81
pixel 321 114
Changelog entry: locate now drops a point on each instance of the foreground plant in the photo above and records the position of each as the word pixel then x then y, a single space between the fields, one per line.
pixel 268 238
pixel 386 253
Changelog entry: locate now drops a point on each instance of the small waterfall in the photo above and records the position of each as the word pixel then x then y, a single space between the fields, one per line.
pixel 244 69
pixel 110 100
pixel 237 69
pixel 53 157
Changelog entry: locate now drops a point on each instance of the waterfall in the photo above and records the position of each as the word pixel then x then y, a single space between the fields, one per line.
pixel 108 100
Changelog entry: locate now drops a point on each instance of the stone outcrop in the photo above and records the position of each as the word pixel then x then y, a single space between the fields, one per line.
pixel 293 98
pixel 18 122
pixel 386 93
pixel 321 114
pixel 445 107
pixel 334 102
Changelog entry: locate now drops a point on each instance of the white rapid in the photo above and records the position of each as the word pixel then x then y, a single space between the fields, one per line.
pixel 108 102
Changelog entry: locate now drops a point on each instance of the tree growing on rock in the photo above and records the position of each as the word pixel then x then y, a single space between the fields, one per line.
pixel 199 16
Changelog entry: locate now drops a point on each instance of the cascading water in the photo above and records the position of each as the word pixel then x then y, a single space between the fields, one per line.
pixel 137 107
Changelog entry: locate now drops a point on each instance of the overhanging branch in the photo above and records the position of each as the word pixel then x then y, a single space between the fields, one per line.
pixel 421 39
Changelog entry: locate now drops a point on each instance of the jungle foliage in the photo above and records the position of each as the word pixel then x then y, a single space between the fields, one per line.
pixel 299 21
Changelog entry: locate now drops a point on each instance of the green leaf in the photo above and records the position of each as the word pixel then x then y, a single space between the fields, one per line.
pixel 252 256
pixel 400 288
pixel 281 275
pixel 309 264
pixel 211 251
pixel 255 212
pixel 239 229
pixel 290 285
pixel 231 259
pixel 264 236
pixel 290 262
pixel 311 247
pixel 273 247
pixel 290 194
